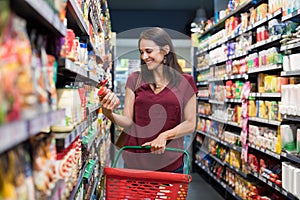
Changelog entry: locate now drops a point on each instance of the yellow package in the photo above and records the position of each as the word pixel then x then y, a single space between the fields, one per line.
pixel 262 109
pixel 268 113
pixel 268 83
pixel 252 108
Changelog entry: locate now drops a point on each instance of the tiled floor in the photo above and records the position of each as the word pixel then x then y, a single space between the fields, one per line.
pixel 200 189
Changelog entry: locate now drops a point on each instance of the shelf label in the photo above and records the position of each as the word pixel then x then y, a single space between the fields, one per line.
pixel 37 124
pixel 270 183
pixel 284 193
pixel 262 179
pixel 12 134
pixel 284 154
pixel 277 188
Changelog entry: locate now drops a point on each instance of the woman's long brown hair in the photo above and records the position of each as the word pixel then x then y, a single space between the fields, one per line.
pixel 172 69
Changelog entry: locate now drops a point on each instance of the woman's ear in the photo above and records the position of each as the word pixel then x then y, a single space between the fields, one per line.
pixel 166 49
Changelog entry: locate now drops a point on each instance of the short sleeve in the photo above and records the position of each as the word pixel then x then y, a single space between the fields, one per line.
pixel 189 86
pixel 131 80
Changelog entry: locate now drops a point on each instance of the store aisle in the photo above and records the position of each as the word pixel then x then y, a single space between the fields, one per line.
pixel 200 189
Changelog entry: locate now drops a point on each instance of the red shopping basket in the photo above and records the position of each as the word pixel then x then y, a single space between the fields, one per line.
pixel 134 184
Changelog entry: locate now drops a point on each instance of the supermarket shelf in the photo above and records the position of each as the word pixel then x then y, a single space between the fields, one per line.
pixel 273 185
pixel 199 69
pixel 227 188
pixel 65 139
pixel 76 14
pixel 39 13
pixel 18 133
pixel 208 135
pixel 245 6
pixel 203 116
pixel 266 42
pixel 222 60
pixel 21 130
pixel 93 77
pixel 93 108
pixel 256 24
pixel 237 76
pixel 290 46
pixel 216 79
pixel 291 118
pixel 265 121
pixel 204 151
pixel 79 180
pixel 211 47
pixel 266 151
pixel 218 119
pixel 225 122
pixel 265 68
pixel 249 28
pixel 236 170
pixel 216 102
pixel 268 18
pixel 94 187
pixel 291 16
pixel 36 124
pixel 273 95
pixel 203 98
pixel 68 65
pixel 218 160
pixel 291 157
pixel 233 100
pixel 233 124
pixel 239 149
pixel 239 55
pixel 290 73
pixel 202 83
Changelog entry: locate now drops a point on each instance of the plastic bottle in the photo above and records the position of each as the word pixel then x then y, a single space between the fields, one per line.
pixel 103 90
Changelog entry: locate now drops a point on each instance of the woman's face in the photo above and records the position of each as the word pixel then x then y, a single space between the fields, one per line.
pixel 151 54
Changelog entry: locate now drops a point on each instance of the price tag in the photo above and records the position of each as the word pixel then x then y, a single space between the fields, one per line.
pixel 12 134
pixel 255 174
pixel 284 154
pixel 233 193
pixel 284 193
pixel 37 124
pixel 262 179
pixel 270 183
pixel 277 188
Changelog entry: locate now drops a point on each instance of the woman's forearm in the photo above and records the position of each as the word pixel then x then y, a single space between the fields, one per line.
pixel 180 130
pixel 119 120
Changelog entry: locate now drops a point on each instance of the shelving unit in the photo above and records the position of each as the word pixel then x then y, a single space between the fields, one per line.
pixel 216 80
pixel 28 137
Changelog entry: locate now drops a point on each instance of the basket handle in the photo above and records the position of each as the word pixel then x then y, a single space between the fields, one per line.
pixel 187 170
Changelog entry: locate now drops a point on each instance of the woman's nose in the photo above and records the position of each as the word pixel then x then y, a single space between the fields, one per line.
pixel 144 56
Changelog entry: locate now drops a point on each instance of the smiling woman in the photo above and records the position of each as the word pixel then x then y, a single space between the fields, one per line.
pixel 158 111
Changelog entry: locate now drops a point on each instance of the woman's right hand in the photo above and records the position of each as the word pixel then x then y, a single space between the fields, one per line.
pixel 109 102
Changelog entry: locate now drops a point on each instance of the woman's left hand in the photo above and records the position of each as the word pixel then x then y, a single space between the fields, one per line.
pixel 158 145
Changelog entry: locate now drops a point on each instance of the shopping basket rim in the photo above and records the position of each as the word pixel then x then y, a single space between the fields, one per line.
pixel 187 170
pixel 147 175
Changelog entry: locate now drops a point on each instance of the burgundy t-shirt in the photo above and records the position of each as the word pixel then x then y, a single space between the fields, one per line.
pixel 154 114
